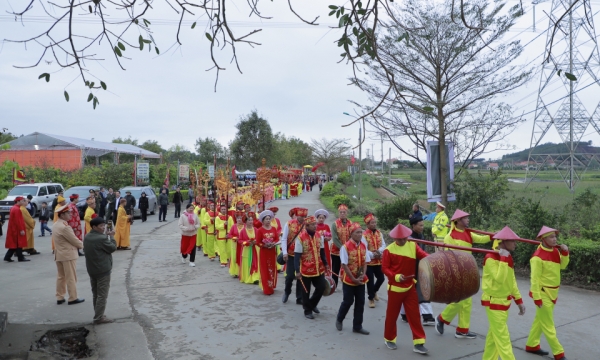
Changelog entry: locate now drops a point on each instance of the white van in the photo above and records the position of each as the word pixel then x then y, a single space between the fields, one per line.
pixel 41 192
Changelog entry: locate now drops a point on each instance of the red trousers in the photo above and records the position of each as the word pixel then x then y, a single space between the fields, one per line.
pixel 411 304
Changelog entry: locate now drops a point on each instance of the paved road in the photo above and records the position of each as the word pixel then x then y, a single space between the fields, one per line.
pixel 202 313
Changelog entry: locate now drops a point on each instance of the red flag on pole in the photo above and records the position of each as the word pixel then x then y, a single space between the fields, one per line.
pixel 18 176
pixel 166 182
pixel 352 159
pixel 233 176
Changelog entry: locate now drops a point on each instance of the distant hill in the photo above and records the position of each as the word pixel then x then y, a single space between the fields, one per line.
pixel 552 148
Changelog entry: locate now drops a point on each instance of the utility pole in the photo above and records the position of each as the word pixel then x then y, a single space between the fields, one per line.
pixel 372 156
pixel 381 154
pixel 359 162
pixel 390 168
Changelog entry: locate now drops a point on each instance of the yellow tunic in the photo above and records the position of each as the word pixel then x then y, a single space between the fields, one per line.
pixel 122 228
pixel 29 226
pixel 89 212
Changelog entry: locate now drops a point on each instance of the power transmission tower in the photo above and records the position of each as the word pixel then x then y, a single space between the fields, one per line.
pixel 569 78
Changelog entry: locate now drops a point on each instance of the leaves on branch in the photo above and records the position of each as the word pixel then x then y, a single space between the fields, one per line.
pixel 570 76
pixel 209 37
pixel 90 97
pixel 157 51
pixel 118 51
pixel 103 85
pixel 66 96
pixel 194 25
pixel 46 76
pixel 121 46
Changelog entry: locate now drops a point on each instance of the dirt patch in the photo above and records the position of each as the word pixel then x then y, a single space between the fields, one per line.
pixel 384 193
pixel 67 344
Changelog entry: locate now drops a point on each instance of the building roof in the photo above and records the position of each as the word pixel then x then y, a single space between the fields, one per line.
pixel 43 141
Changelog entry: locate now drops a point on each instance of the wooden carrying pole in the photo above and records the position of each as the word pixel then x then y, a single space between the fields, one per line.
pixel 456 247
pixel 491 234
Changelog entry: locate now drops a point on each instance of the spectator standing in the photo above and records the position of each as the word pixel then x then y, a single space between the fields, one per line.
pixel 65 256
pixel 143 205
pixel 189 225
pixel 29 226
pixel 29 207
pixel 177 200
pixel 130 205
pixel 110 201
pixel 98 248
pixel 191 194
pixel 2 223
pixel 103 202
pixel 166 188
pixel 163 201
pixel 44 217
pixel 416 212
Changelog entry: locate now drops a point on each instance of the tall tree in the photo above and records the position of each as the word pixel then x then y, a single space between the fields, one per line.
pixel 333 153
pixel 446 79
pixel 253 140
pixel 290 151
pixel 154 146
pixel 6 136
pixel 207 148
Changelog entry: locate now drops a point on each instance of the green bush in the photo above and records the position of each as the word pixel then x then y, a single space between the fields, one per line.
pixel 418 176
pixel 342 199
pixel 389 212
pixel 375 182
pixel 344 178
pixel 360 209
pixel 330 189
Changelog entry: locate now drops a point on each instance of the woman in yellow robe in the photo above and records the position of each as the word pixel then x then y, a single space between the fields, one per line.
pixel 122 227
pixel 89 212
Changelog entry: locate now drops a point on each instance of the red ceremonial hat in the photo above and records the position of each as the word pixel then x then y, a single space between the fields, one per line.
pixel 400 232
pixel 211 203
pixel 506 234
pixel 74 196
pixel 302 212
pixel 342 207
pixel 355 226
pixel 240 213
pixel 310 220
pixel 274 209
pixel 459 214
pixel 292 212
pixel 546 230
pixel 247 205
pixel 240 203
pixel 368 218
pixel 252 215
pixel 18 198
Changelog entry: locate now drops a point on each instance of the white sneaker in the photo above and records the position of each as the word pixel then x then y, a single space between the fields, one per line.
pixel 192 264
pixel 182 260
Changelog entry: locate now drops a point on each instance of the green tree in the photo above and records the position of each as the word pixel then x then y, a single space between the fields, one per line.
pixel 253 141
pixel 290 151
pixel 154 146
pixel 207 148
pixel 6 136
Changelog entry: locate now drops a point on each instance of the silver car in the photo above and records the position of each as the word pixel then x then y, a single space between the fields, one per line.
pixel 41 192
pixel 136 192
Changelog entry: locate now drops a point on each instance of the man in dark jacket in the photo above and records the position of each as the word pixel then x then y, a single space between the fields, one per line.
pixel 110 201
pixel 98 248
pixel 130 205
pixel 177 200
pixel 163 201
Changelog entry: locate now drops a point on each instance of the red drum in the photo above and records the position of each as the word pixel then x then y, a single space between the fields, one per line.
pixel 329 285
pixel 448 276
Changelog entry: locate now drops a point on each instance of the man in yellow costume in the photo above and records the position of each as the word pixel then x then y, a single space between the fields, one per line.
pixel 223 223
pixel 29 226
pixel 546 263
pixel 200 210
pixel 459 235
pixel 499 287
pixel 209 222
pixel 439 228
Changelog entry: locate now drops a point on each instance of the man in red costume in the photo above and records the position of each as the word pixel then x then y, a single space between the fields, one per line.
pixel 75 222
pixel 291 230
pixel 16 238
pixel 399 266
pixel 340 233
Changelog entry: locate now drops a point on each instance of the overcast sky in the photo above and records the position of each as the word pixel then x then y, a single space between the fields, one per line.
pixel 292 79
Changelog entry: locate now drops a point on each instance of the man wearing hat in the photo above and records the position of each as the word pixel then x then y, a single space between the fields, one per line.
pixel 29 226
pixel 209 222
pixel 98 247
pixel 291 230
pixel 75 220
pixel 16 237
pixel 546 263
pixel 55 201
pixel 499 287
pixel 309 260
pixel 375 245
pixel 439 228
pixel 354 256
pixel 65 256
pixel 459 235
pixel 417 226
pixel 130 206
pixel 399 265
pixel 340 233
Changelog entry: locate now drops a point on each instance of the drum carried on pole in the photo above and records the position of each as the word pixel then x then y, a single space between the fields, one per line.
pixel 329 285
pixel 448 276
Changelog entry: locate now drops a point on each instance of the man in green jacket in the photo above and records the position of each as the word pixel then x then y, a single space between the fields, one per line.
pixel 98 247
pixel 439 228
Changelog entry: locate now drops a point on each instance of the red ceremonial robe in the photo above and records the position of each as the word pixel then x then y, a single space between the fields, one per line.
pixel 75 221
pixel 321 229
pixel 267 259
pixel 16 224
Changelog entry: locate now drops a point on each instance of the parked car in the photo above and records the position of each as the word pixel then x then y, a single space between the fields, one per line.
pixel 41 192
pixel 136 191
pixel 84 193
